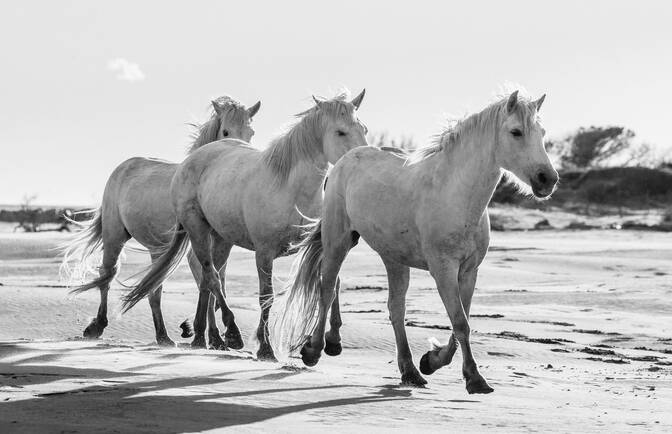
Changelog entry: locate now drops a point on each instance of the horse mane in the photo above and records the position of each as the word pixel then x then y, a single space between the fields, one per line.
pixel 233 112
pixel 301 141
pixel 486 121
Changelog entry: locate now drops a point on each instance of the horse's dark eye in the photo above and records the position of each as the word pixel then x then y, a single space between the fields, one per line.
pixel 516 132
pixel 225 133
pixel 340 133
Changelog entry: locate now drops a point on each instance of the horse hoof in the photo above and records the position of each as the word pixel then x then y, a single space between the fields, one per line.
pixel 165 341
pixel 216 343
pixel 234 340
pixel 187 329
pixel 424 365
pixel 266 354
pixel 478 385
pixel 413 379
pixel 198 342
pixel 333 349
pixel 308 356
pixel 94 330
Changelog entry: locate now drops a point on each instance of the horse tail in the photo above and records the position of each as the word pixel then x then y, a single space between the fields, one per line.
pixel 161 269
pixel 78 255
pixel 296 305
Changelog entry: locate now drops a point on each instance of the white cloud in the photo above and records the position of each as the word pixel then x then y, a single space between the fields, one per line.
pixel 125 70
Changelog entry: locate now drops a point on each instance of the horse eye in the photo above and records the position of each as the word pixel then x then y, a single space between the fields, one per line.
pixel 516 132
pixel 340 133
pixel 225 133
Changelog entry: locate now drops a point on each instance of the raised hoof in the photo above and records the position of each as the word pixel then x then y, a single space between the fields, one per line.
pixel 424 365
pixel 215 342
pixel 95 329
pixel 265 353
pixel 198 342
pixel 413 379
pixel 308 355
pixel 187 329
pixel 165 341
pixel 233 340
pixel 333 349
pixel 478 385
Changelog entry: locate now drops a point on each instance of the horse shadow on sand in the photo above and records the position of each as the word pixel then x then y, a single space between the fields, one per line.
pixel 118 402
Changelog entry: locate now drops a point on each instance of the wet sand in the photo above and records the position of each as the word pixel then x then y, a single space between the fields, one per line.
pixel 573 329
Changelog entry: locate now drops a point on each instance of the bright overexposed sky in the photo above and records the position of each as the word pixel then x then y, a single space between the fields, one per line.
pixel 85 85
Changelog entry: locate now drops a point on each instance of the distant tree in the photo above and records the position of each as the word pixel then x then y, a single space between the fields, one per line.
pixel 28 214
pixel 601 147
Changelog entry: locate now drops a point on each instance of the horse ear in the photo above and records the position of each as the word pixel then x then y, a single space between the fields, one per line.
pixel 512 102
pixel 217 108
pixel 540 101
pixel 357 101
pixel 318 103
pixel 254 109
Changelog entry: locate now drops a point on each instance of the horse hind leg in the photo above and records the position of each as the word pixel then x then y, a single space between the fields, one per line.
pixel 221 251
pixel 203 297
pixel 201 243
pixel 332 338
pixel 398 279
pixel 336 248
pixel 157 316
pixel 115 237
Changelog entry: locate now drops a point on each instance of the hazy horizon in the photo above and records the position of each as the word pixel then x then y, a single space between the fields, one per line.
pixel 87 86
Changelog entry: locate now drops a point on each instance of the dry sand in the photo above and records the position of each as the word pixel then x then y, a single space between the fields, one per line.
pixel 572 329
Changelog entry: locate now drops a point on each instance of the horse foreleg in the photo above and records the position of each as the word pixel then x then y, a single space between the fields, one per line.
pixel 445 273
pixel 440 356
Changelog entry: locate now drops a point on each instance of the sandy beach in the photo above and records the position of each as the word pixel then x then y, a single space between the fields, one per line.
pixel 571 328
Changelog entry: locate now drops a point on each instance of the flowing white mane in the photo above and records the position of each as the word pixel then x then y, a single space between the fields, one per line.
pixel 303 141
pixel 485 122
pixel 232 112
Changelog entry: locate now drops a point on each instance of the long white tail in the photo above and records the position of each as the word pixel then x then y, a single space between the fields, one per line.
pixel 161 269
pixel 294 311
pixel 79 259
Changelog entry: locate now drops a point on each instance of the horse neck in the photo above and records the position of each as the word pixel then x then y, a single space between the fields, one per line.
pixel 308 163
pixel 467 175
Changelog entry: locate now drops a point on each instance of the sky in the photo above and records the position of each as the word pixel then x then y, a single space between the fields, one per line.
pixel 85 85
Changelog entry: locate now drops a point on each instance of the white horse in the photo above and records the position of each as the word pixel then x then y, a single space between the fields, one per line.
pixel 136 203
pixel 429 212
pixel 226 194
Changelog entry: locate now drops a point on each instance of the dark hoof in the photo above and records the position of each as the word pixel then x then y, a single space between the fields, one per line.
pixel 308 355
pixel 424 365
pixel 215 342
pixel 333 349
pixel 95 329
pixel 413 379
pixel 233 339
pixel 478 385
pixel 265 353
pixel 165 341
pixel 187 329
pixel 198 342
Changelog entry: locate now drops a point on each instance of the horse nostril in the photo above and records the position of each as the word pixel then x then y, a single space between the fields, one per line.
pixel 542 178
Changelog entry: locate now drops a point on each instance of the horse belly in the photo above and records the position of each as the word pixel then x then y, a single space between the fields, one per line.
pixel 398 245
